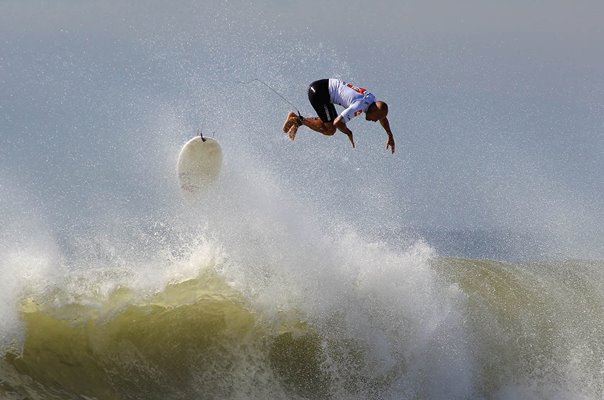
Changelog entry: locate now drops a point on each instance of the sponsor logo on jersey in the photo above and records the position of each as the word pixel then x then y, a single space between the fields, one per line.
pixel 356 88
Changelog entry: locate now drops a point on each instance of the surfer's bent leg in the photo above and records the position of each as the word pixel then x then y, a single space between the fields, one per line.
pixel 318 95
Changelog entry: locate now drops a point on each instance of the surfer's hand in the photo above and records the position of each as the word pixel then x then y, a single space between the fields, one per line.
pixel 390 143
pixel 349 134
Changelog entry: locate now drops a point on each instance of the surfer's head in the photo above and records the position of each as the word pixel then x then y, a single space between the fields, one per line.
pixel 377 110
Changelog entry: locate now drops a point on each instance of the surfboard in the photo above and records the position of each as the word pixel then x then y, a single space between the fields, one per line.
pixel 198 166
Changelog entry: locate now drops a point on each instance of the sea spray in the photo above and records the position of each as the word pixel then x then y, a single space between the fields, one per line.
pixel 360 319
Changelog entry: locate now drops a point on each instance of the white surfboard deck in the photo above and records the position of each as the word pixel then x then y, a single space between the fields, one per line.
pixel 198 166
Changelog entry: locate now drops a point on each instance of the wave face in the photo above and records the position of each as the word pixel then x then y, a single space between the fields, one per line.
pixel 379 323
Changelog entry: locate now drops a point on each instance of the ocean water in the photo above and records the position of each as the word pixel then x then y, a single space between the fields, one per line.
pixel 468 265
pixel 398 325
pixel 241 301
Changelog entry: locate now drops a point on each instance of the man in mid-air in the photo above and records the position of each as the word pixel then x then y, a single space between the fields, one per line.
pixel 323 94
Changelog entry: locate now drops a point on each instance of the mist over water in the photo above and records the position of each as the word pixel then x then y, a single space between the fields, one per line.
pixel 311 270
pixel 514 125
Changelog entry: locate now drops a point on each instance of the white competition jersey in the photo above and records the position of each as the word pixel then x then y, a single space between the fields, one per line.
pixel 354 99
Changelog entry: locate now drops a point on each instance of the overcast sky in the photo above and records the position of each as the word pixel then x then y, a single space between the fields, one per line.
pixel 497 107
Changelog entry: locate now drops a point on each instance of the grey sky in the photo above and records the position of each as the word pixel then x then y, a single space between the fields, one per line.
pixel 497 107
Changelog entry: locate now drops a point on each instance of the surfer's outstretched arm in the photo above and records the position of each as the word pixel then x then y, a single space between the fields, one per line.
pixel 386 125
pixel 338 123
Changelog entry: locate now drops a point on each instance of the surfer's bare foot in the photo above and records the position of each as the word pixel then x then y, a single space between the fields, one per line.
pixel 292 131
pixel 288 122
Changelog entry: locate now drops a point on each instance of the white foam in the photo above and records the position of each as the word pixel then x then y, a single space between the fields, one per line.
pixel 287 255
pixel 28 259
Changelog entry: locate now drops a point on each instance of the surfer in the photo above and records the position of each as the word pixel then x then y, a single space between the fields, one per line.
pixel 323 94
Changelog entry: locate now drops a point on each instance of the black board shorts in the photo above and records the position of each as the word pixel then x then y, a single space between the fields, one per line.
pixel 318 94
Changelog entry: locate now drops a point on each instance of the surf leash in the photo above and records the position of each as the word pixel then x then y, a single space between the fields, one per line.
pixel 274 91
pixel 199 132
